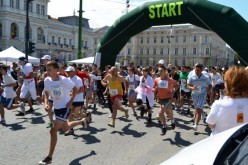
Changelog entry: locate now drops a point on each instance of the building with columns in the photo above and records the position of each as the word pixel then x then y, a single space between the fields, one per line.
pixel 56 37
pixel 182 44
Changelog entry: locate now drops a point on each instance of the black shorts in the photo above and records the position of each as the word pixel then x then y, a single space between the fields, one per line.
pixel 176 94
pixel 187 94
pixel 62 114
pixel 78 104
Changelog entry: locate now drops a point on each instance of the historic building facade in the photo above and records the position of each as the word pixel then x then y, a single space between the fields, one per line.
pixel 57 37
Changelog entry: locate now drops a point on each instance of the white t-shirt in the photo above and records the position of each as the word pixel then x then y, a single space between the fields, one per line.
pixel 191 73
pixel 131 79
pixel 78 83
pixel 92 79
pixel 26 69
pixel 59 91
pixel 228 113
pixel 8 91
pixel 214 78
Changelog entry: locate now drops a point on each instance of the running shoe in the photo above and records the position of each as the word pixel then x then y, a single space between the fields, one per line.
pixel 163 131
pixel 45 161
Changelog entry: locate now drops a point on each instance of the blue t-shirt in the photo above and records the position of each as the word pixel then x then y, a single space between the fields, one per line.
pixel 202 83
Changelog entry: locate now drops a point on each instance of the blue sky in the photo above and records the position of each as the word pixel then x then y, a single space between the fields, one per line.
pixel 105 12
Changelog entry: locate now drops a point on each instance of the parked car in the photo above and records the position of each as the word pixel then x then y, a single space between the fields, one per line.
pixel 229 147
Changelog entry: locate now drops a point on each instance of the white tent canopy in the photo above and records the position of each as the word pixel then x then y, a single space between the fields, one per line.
pixel 12 54
pixel 87 60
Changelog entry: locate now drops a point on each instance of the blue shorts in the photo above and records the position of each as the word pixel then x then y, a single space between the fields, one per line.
pixel 199 101
pixel 6 102
pixel 62 114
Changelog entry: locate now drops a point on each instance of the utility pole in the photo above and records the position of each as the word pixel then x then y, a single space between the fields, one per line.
pixel 27 29
pixel 80 29
pixel 169 41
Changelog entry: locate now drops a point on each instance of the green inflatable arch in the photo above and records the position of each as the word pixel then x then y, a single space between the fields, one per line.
pixel 223 20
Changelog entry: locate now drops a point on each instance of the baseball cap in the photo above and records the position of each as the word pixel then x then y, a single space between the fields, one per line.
pixel 70 69
pixel 161 62
pixel 46 57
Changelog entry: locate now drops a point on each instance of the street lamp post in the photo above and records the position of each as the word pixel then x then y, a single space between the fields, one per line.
pixel 27 29
pixel 80 29
pixel 169 41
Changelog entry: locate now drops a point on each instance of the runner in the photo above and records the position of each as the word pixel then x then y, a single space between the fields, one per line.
pixel 116 92
pixel 133 82
pixel 28 83
pixel 199 84
pixel 166 88
pixel 8 95
pixel 59 88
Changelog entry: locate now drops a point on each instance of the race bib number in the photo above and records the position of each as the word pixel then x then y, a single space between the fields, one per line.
pixel 131 86
pixel 198 89
pixel 163 84
pixel 57 93
pixel 99 77
pixel 113 92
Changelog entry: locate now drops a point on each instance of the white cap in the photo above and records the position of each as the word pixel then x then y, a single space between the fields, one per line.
pixel 70 69
pixel 46 57
pixel 161 62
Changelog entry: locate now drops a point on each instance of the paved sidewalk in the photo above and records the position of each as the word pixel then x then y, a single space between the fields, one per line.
pixel 25 140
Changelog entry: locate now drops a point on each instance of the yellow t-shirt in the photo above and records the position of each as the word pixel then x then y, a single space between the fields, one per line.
pixel 115 87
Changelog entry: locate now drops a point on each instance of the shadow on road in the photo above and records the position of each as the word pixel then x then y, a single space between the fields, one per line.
pixel 76 161
pixel 178 140
pixel 127 131
pixel 16 126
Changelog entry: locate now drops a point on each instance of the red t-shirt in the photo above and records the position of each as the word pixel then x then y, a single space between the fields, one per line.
pixel 82 75
pixel 165 87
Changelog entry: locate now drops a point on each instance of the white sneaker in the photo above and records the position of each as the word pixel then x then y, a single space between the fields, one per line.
pixel 22 106
pixel 194 127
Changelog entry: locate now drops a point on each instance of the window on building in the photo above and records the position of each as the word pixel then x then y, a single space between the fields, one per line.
pixel 30 7
pixel 25 3
pixel 148 40
pixel 95 41
pixel 18 4
pixel 183 62
pixel 141 40
pixel 42 10
pixel 155 40
pixel 1 31
pixel 161 51
pixel 207 51
pixel 154 51
pixel 11 3
pixel 176 39
pixel 194 50
pixel 194 38
pixel 40 34
pixel 147 51
pixel 70 42
pixel 38 9
pixel 162 39
pixel 128 51
pixel 1 3
pixel 14 31
pixel 85 44
pixel 141 62
pixel 147 62
pixel 53 39
pixel 59 42
pixel 184 38
pixel 176 62
pixel 184 51
pixel 176 51
pixel 65 41
pixel 206 39
pixel 141 52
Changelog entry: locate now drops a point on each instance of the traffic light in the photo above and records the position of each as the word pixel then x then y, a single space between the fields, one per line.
pixel 31 47
pixel 127 2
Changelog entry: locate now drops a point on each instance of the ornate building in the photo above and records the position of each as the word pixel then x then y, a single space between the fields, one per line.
pixel 57 37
